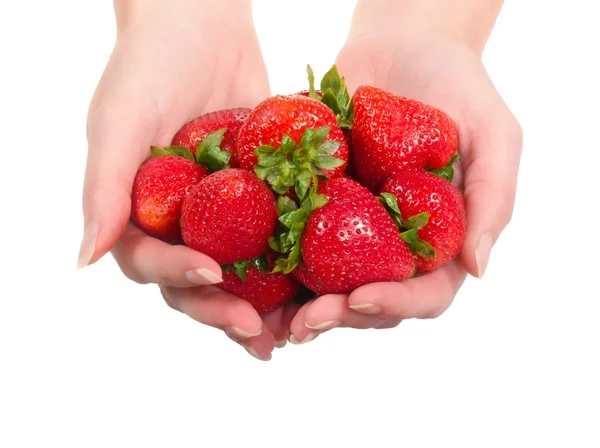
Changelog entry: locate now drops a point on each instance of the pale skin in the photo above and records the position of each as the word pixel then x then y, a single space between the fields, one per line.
pixel 161 76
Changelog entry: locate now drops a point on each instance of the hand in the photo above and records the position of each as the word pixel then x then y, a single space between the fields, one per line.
pixel 169 65
pixel 447 73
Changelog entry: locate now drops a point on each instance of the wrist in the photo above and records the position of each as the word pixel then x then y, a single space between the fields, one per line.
pixel 467 21
pixel 192 14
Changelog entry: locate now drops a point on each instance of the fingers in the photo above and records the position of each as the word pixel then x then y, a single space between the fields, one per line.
pixel 276 326
pixel 260 347
pixel 332 311
pixel 216 308
pixel 273 321
pixel 118 143
pixel 491 163
pixel 236 317
pixel 422 297
pixel 144 259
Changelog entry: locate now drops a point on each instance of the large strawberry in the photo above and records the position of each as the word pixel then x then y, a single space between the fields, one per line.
pixel 431 213
pixel 391 134
pixel 253 281
pixel 229 216
pixel 158 191
pixel 227 121
pixel 341 239
pixel 287 140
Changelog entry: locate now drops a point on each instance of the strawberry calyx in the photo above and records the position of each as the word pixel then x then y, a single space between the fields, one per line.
pixel 447 172
pixel 208 152
pixel 240 268
pixel 179 151
pixel 297 166
pixel 334 94
pixel 409 228
pixel 292 221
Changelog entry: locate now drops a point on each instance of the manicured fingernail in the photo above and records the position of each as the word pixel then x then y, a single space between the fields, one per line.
pixel 202 277
pixel 482 253
pixel 325 325
pixel 88 244
pixel 253 353
pixel 281 344
pixel 367 308
pixel 241 333
pixel 308 338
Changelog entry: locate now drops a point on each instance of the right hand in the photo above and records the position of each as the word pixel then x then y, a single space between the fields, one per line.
pixel 169 65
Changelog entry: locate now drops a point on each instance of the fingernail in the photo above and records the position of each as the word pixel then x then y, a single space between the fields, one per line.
pixel 482 253
pixel 281 344
pixel 88 244
pixel 253 353
pixel 241 333
pixel 308 338
pixel 325 325
pixel 367 308
pixel 202 276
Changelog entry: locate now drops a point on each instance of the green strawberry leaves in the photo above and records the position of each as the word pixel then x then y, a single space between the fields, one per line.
pixel 409 228
pixel 334 94
pixel 447 172
pixel 179 151
pixel 292 221
pixel 294 165
pixel 208 152
pixel 417 245
pixel 240 268
pixel 391 205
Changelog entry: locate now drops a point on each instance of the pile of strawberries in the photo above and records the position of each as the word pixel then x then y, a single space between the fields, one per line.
pixel 315 189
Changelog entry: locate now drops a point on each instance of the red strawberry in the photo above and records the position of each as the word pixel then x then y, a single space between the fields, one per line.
pixel 294 137
pixel 158 191
pixel 392 134
pixel 229 216
pixel 196 130
pixel 346 243
pixel 435 210
pixel 254 282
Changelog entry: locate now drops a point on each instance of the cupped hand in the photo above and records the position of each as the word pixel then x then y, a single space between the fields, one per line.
pixel 170 64
pixel 446 73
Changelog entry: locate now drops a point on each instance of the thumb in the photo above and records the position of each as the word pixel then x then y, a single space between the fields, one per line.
pixel 118 144
pixel 491 164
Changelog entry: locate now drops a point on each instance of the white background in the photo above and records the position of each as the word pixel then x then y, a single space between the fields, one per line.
pixel 89 359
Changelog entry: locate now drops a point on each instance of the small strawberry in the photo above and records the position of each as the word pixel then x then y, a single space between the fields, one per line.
pixel 192 133
pixel 341 239
pixel 229 216
pixel 253 281
pixel 391 134
pixel 287 140
pixel 434 209
pixel 158 191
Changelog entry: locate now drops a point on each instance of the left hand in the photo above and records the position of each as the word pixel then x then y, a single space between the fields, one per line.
pixel 447 73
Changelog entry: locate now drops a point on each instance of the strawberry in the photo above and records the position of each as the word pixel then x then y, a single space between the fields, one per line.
pixel 392 134
pixel 435 210
pixel 192 133
pixel 229 216
pixel 341 239
pixel 157 195
pixel 288 140
pixel 253 281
